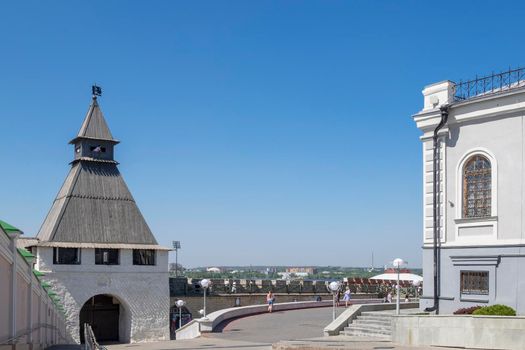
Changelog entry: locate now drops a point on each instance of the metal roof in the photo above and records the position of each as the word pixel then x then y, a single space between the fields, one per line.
pixel 8 228
pixel 94 204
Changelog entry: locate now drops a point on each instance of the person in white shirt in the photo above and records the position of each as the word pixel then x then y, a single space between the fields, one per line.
pixel 347 296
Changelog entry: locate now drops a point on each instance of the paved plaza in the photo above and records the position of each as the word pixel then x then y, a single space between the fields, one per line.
pixel 286 330
pixel 276 326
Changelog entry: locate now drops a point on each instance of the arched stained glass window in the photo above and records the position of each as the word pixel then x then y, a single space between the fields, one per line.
pixel 477 187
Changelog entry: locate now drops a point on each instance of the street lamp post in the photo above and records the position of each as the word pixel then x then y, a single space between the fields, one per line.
pixel 176 246
pixel 180 304
pixel 205 283
pixel 334 288
pixel 397 264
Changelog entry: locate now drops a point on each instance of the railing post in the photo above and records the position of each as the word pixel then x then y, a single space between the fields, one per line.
pixel 509 79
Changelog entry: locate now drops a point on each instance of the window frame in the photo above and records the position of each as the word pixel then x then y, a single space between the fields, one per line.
pixel 135 258
pixel 459 184
pixel 465 191
pixel 487 221
pixel 102 250
pixel 102 149
pixel 56 256
pixel 468 290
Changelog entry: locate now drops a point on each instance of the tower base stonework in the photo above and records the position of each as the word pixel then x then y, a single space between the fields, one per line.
pixel 143 297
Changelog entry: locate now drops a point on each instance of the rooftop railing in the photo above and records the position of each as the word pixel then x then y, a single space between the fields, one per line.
pixel 490 84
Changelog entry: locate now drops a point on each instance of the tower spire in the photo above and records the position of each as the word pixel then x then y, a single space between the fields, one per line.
pixel 94 141
pixel 95 125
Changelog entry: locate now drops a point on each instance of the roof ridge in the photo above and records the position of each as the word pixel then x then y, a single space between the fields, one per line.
pixel 64 205
pixel 57 200
pixel 101 197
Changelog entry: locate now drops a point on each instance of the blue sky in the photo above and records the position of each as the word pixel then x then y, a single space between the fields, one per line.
pixel 256 132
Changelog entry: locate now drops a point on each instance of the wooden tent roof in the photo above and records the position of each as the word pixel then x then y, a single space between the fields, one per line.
pixel 94 125
pixel 94 204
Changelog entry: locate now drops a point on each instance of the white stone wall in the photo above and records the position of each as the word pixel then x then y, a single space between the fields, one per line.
pixel 492 126
pixel 460 331
pixel 32 308
pixel 143 292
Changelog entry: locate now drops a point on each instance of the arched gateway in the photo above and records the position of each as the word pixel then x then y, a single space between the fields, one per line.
pixel 108 318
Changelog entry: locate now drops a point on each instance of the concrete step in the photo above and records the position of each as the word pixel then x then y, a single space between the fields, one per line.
pixel 366 321
pixel 369 329
pixel 364 334
pixel 375 319
pixel 355 333
pixel 371 336
pixel 377 314
pixel 371 324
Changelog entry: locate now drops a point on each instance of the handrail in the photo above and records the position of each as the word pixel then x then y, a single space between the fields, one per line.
pixel 90 342
pixel 12 340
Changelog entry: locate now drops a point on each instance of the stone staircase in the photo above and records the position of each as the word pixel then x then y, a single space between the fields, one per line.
pixel 372 324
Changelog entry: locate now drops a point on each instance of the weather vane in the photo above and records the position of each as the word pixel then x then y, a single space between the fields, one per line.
pixel 96 90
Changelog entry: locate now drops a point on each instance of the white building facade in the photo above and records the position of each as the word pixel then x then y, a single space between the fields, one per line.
pixel 97 251
pixel 478 257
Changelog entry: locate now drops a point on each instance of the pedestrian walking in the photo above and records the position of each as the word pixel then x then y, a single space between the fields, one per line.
pixel 270 299
pixel 347 296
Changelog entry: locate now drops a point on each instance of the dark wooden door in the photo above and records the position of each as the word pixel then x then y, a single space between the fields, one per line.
pixel 103 316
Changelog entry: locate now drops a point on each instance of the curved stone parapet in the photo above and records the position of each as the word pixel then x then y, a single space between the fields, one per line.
pixel 204 325
pixel 208 324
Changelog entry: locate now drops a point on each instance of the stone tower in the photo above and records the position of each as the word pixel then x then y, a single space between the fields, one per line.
pixel 98 251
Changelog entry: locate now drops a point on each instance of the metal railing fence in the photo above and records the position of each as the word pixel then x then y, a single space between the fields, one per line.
pixel 493 83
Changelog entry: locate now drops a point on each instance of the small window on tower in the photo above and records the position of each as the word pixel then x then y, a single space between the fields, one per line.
pixel 143 257
pixel 104 256
pixel 77 149
pixel 66 256
pixel 97 149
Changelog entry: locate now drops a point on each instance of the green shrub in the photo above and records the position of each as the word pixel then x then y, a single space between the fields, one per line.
pixel 496 310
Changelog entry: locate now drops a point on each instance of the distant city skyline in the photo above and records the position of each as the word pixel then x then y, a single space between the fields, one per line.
pixel 269 133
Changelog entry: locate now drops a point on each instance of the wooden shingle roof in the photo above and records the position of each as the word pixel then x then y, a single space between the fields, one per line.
pixel 94 125
pixel 94 204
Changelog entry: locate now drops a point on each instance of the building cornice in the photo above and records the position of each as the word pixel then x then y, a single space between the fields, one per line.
pixel 509 243
pixel 54 244
pixel 504 104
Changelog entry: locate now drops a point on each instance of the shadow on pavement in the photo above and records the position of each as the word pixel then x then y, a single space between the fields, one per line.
pixel 65 347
